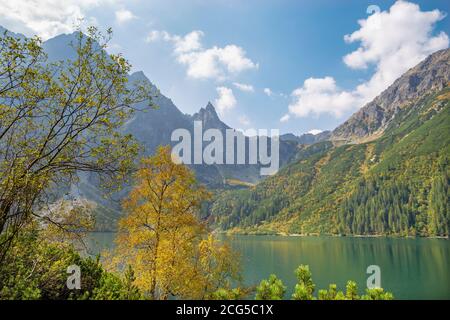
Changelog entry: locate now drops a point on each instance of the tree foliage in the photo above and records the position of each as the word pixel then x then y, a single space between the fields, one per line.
pixel 162 238
pixel 270 289
pixel 273 289
pixel 304 289
pixel 36 268
pixel 59 118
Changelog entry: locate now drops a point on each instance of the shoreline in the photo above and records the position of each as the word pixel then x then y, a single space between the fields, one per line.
pixel 332 235
pixel 308 235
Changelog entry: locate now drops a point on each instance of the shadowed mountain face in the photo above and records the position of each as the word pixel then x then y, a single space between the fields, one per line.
pixel 154 127
pixel 429 76
pixel 10 33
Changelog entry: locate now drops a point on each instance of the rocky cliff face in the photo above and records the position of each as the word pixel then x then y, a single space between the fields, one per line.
pixel 429 76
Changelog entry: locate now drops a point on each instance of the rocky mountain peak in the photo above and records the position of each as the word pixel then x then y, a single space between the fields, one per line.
pixel 209 118
pixel 210 108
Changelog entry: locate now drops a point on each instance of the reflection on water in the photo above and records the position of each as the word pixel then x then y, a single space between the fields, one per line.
pixel 410 268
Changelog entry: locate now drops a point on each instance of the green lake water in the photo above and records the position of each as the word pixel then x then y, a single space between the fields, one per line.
pixel 410 268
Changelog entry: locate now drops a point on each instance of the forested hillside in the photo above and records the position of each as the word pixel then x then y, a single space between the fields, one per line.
pixel 396 184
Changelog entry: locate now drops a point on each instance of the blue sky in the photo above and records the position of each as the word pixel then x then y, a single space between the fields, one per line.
pixel 274 45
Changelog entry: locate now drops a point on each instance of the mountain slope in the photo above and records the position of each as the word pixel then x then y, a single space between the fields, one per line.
pixel 395 184
pixel 429 76
pixel 307 138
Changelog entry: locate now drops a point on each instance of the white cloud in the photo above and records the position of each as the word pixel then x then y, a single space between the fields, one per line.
pixel 315 131
pixel 45 18
pixel 392 41
pixel 190 42
pixel 285 118
pixel 244 87
pixel 404 29
pixel 153 36
pixel 244 120
pixel 216 62
pixel 123 16
pixel 212 63
pixel 226 100
pixel 320 95
pixel 268 91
